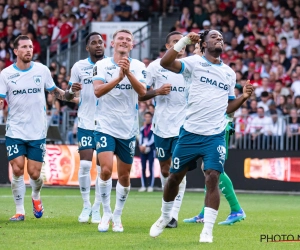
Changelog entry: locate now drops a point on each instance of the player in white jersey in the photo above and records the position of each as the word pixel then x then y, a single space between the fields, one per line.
pixel 82 72
pixel 23 84
pixel 168 88
pixel 118 81
pixel 210 95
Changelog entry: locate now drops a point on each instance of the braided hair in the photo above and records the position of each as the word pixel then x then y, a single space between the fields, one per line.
pixel 202 37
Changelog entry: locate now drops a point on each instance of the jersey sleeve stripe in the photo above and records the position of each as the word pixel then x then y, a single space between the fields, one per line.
pixel 70 83
pixel 52 88
pixel 2 96
pixel 182 67
pixel 98 78
pixel 231 97
pixel 143 81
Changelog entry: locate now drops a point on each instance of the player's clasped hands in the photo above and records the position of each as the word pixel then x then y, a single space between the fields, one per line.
pixel 165 89
pixel 248 90
pixel 124 64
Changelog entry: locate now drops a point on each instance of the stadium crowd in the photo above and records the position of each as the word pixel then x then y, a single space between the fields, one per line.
pixel 262 44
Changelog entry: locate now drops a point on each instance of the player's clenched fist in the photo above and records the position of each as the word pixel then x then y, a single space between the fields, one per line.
pixel 76 87
pixel 165 89
pixel 248 90
pixel 194 37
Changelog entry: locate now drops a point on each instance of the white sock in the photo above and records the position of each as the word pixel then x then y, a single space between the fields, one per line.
pixel 210 216
pixel 97 201
pixel 178 199
pixel 84 179
pixel 166 209
pixel 36 187
pixel 105 190
pixel 121 197
pixel 18 189
pixel 163 181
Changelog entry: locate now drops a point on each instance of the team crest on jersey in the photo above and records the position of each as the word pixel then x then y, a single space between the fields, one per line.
pixel 95 71
pixel 37 79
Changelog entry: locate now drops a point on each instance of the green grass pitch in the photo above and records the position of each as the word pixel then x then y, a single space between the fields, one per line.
pixel 59 229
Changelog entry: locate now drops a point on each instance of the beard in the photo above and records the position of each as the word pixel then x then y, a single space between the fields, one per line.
pixel 99 56
pixel 26 59
pixel 219 50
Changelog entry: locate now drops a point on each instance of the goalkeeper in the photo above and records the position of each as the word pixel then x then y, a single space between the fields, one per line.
pixel 226 187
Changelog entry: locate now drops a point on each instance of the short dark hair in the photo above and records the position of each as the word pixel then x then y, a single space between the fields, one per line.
pixel 89 36
pixel 148 113
pixel 171 34
pixel 19 38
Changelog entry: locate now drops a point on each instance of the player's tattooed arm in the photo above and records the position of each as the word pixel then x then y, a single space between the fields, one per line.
pixel 66 95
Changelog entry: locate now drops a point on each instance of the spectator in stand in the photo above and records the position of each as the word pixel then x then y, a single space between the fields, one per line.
pixel 123 12
pixel 260 127
pixel 297 104
pixel 25 25
pixel 44 40
pixel 296 87
pixel 199 16
pixel 36 46
pixel 106 13
pixel 17 28
pixel 279 91
pixel 147 150
pixel 135 9
pixel 293 129
pixel 146 61
pixel 264 101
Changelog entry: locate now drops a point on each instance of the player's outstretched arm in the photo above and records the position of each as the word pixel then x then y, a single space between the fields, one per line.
pixel 233 105
pixel 163 90
pixel 169 60
pixel 139 88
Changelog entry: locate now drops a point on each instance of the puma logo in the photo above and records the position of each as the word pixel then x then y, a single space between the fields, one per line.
pixel 109 74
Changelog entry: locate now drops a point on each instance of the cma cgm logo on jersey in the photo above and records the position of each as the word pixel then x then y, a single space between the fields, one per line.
pixel 88 81
pixel 214 82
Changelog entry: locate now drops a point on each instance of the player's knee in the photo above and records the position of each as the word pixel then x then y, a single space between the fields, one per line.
pixel 165 170
pixel 106 171
pixel 174 180
pixel 34 175
pixel 212 178
pixel 17 170
pixel 123 178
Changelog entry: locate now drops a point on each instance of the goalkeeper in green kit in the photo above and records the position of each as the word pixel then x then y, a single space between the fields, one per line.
pixel 226 187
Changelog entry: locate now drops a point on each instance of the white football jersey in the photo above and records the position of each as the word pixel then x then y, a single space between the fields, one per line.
pixel 24 90
pixel 117 111
pixel 169 109
pixel 82 72
pixel 209 88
